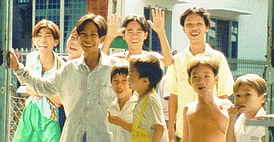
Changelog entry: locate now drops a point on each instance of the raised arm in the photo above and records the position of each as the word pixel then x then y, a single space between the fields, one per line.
pixel 40 86
pixel 158 25
pixel 114 23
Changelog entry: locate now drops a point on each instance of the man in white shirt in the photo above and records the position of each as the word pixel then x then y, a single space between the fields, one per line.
pixel 83 84
pixel 195 23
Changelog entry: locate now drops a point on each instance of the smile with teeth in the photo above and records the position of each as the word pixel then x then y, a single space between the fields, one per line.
pixel 87 44
pixel 42 46
pixel 134 42
pixel 194 34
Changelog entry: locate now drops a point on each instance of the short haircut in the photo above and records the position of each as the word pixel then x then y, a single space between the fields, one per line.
pixel 119 68
pixel 202 59
pixel 252 80
pixel 97 20
pixel 141 20
pixel 201 11
pixel 46 24
pixel 147 65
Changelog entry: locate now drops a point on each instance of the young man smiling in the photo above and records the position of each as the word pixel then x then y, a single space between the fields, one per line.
pixel 83 84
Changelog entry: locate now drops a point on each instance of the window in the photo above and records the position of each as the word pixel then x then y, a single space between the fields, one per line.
pixel 223 36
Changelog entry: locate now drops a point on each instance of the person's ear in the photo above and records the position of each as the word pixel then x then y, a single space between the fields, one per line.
pixel 124 35
pixel 102 39
pixel 34 41
pixel 207 28
pixel 146 34
pixel 56 41
pixel 189 81
pixel 216 78
pixel 77 36
pixel 263 98
pixel 146 81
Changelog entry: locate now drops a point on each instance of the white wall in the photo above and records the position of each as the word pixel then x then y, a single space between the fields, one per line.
pixel 133 7
pixel 253 31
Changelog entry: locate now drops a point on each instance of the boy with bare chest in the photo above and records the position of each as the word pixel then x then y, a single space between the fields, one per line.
pixel 205 120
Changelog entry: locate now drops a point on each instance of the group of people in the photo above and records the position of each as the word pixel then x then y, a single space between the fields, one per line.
pixel 111 98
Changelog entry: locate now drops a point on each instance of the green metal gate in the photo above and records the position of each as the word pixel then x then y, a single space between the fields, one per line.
pixel 5 44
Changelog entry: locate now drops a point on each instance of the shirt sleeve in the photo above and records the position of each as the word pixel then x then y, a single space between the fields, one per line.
pixel 171 81
pixel 225 83
pixel 28 59
pixel 153 111
pixel 44 87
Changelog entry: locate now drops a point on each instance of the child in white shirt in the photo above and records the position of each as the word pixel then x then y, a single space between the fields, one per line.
pixel 124 102
pixel 249 96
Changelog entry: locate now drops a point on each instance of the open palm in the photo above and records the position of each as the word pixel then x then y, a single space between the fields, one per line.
pixel 158 16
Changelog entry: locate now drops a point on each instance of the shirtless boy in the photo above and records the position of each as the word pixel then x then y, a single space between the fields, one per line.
pixel 205 120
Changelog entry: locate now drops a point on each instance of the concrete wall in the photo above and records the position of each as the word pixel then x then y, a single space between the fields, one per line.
pixel 253 31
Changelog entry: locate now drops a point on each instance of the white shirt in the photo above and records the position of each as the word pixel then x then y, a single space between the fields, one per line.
pixel 245 133
pixel 153 115
pixel 164 94
pixel 177 81
pixel 118 133
pixel 85 95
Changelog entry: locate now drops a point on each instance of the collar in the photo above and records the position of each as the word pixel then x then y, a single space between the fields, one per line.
pixel 104 60
pixel 55 65
pixel 132 99
pixel 188 52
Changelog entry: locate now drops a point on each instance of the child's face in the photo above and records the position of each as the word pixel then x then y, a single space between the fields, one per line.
pixel 73 47
pixel 134 35
pixel 89 38
pixel 44 40
pixel 120 86
pixel 202 79
pixel 247 99
pixel 135 82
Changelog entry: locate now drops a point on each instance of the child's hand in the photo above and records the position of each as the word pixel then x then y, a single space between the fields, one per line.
pixel 207 95
pixel 12 61
pixel 116 120
pixel 233 113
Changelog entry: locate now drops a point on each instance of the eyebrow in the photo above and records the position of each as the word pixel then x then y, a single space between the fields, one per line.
pixel 45 33
pixel 140 29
